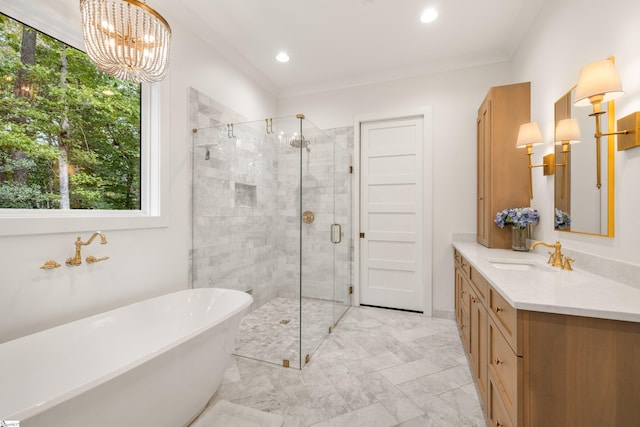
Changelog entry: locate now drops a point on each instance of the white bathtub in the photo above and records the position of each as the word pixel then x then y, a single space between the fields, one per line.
pixel 153 363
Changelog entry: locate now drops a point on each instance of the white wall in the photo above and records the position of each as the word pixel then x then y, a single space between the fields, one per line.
pixel 143 262
pixel 155 261
pixel 455 97
pixel 568 35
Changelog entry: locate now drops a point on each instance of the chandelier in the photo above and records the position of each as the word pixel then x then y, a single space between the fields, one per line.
pixel 126 39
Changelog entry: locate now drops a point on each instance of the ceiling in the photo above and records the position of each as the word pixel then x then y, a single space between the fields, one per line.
pixel 341 43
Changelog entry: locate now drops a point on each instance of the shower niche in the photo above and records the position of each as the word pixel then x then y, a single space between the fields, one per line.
pixel 253 184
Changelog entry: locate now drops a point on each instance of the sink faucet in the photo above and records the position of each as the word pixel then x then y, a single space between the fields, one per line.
pixel 77 258
pixel 555 258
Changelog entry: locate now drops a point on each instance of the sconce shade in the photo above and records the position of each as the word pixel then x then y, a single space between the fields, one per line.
pixel 529 133
pixel 598 78
pixel 126 39
pixel 567 130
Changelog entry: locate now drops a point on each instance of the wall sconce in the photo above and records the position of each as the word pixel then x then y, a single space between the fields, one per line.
pixel 528 136
pixel 567 133
pixel 599 82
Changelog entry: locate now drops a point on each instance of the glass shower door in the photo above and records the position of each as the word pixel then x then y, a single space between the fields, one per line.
pixel 342 237
pixel 317 214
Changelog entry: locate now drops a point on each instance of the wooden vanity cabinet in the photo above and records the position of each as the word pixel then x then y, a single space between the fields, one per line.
pixel 580 371
pixel 538 369
pixel 472 319
pixel 503 172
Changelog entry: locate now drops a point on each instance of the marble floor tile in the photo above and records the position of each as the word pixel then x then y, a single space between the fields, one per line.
pixel 378 368
pixel 423 421
pixel 370 416
pixel 410 371
pixel 444 381
pixel 271 332
pixel 373 363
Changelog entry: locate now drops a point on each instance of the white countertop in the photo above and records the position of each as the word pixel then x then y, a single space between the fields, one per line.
pixel 552 290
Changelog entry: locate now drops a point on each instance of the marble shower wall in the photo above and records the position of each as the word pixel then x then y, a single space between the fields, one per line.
pixel 326 187
pixel 234 203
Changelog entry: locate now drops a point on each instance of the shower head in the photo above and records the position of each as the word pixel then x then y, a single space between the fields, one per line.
pixel 300 141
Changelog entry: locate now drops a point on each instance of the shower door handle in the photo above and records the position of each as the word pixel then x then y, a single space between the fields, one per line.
pixel 335 227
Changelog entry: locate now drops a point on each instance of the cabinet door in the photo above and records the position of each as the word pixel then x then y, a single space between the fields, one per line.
pixel 483 157
pixel 478 349
pixel 464 317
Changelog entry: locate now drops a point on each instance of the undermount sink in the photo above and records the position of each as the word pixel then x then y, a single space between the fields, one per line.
pixel 514 264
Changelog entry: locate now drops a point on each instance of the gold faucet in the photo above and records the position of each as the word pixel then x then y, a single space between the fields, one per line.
pixel 77 258
pixel 555 257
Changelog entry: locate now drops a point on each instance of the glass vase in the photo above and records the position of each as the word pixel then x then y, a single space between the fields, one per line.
pixel 519 239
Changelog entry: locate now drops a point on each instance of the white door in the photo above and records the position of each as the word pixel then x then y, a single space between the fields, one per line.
pixel 391 213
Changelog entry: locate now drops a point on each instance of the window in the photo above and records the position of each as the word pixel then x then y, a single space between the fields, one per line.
pixel 69 133
pixel 147 206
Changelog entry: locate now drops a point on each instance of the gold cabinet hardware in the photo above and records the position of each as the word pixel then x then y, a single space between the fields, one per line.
pixel 474 300
pixel 76 260
pixel 498 361
pixel 498 309
pixel 49 265
pixel 91 259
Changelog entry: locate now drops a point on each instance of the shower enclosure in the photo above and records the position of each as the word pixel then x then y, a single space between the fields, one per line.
pixel 271 216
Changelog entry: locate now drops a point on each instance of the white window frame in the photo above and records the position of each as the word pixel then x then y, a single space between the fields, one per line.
pixel 153 212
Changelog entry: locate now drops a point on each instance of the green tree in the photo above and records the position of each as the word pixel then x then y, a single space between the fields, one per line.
pixel 69 133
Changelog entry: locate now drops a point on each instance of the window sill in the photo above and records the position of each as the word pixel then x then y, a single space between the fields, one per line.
pixel 17 222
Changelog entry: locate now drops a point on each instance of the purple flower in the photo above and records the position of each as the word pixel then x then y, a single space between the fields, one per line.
pixel 517 217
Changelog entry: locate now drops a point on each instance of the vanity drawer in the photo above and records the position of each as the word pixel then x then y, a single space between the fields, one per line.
pixel 457 257
pixel 497 413
pixel 506 319
pixel 465 294
pixel 480 285
pixel 462 263
pixel 465 313
pixel 505 366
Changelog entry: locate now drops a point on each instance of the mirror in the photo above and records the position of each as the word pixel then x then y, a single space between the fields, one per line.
pixel 580 206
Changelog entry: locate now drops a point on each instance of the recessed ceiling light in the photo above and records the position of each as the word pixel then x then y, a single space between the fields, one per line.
pixel 282 57
pixel 429 15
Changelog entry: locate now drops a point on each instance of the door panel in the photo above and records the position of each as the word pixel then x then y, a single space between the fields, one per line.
pixel 392 216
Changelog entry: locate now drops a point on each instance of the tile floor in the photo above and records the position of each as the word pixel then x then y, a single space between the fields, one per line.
pixel 378 368
pixel 271 332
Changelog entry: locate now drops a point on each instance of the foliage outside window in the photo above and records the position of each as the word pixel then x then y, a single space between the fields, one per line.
pixel 69 133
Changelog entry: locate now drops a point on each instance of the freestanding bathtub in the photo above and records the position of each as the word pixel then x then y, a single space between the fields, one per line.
pixel 153 363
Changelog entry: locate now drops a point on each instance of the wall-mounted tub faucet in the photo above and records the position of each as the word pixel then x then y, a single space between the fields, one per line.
pixel 77 258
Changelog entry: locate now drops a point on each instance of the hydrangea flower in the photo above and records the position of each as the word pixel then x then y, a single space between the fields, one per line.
pixel 517 217
pixel 562 220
